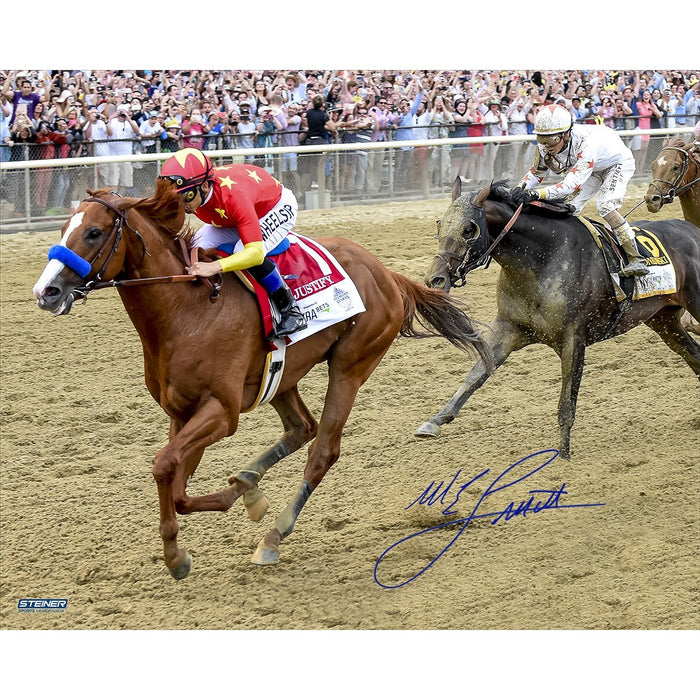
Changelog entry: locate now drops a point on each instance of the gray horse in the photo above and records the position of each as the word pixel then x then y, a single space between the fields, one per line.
pixel 554 288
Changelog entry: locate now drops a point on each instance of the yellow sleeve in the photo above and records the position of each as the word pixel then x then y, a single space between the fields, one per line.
pixel 251 255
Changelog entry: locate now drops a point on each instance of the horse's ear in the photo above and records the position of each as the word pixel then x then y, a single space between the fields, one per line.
pixel 457 188
pixel 482 197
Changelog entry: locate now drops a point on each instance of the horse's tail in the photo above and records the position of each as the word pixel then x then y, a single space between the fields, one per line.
pixel 441 315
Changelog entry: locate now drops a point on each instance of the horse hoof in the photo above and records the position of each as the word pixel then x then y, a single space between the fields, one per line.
pixel 256 504
pixel 428 430
pixel 181 571
pixel 266 555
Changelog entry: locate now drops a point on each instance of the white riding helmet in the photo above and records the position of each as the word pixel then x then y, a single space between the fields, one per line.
pixel 552 119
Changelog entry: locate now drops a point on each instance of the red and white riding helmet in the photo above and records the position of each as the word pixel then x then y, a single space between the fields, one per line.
pixel 187 168
pixel 552 119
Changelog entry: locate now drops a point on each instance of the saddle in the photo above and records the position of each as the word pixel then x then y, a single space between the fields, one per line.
pixel 662 275
pixel 614 257
pixel 325 293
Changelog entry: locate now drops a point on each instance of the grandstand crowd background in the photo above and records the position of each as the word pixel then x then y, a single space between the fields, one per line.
pixel 73 113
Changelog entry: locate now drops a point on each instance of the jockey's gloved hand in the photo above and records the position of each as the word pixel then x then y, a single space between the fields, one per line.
pixel 523 196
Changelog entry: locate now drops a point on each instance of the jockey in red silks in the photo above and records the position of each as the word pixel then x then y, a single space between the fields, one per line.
pixel 239 203
pixel 592 158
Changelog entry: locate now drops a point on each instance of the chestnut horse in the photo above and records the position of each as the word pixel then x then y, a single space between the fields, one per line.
pixel 676 172
pixel 554 288
pixel 204 361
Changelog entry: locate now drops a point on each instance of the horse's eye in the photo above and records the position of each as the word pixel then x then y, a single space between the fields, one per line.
pixel 471 232
pixel 93 233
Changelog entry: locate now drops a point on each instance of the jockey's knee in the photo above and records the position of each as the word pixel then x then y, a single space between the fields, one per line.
pixel 609 207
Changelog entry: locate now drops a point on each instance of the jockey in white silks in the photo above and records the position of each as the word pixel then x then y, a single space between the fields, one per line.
pixel 593 159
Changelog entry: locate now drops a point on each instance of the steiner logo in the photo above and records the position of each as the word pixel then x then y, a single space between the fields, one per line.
pixel 42 604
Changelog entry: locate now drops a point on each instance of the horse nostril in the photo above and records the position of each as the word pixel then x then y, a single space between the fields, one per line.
pixel 50 292
pixel 436 282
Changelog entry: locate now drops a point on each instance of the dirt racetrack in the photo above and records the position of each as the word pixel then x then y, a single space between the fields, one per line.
pixel 79 508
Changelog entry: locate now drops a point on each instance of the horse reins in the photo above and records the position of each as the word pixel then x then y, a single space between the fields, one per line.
pixel 674 190
pixel 121 222
pixel 465 267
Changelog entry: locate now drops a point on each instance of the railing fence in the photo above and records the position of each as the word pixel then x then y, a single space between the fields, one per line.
pixel 36 194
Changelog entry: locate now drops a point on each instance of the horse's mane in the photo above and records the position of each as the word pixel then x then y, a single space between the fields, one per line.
pixel 500 192
pixel 165 210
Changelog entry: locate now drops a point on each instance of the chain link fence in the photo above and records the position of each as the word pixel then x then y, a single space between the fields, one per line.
pixel 39 194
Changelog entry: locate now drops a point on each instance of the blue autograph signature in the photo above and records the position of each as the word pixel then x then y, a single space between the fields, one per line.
pixel 538 501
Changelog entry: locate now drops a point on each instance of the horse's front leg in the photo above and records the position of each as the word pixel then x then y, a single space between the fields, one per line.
pixel 503 338
pixel 572 360
pixel 172 467
pixel 300 427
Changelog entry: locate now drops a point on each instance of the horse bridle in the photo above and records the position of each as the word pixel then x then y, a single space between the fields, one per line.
pixel 673 187
pixel 121 223
pixel 471 259
pixel 115 237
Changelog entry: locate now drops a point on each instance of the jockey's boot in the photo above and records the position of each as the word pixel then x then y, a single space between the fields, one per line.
pixel 635 262
pixel 291 318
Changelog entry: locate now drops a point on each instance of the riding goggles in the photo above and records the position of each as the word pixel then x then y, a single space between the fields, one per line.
pixel 549 140
pixel 187 195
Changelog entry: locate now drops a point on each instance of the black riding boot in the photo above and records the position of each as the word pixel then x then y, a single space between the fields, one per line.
pixel 291 319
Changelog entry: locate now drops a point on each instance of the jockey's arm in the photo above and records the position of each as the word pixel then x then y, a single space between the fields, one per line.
pixel 574 179
pixel 252 255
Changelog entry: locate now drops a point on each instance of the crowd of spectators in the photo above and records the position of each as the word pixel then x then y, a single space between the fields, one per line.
pixel 67 114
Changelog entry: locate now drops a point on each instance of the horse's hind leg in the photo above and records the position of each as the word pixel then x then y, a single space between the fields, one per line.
pixel 689 323
pixel 299 428
pixel 668 325
pixel 346 376
pixel 503 338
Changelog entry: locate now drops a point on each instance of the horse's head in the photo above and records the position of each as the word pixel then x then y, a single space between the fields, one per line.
pixel 462 238
pixel 96 241
pixel 91 249
pixel 669 173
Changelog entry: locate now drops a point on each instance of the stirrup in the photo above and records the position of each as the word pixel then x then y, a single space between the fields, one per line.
pixel 291 322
